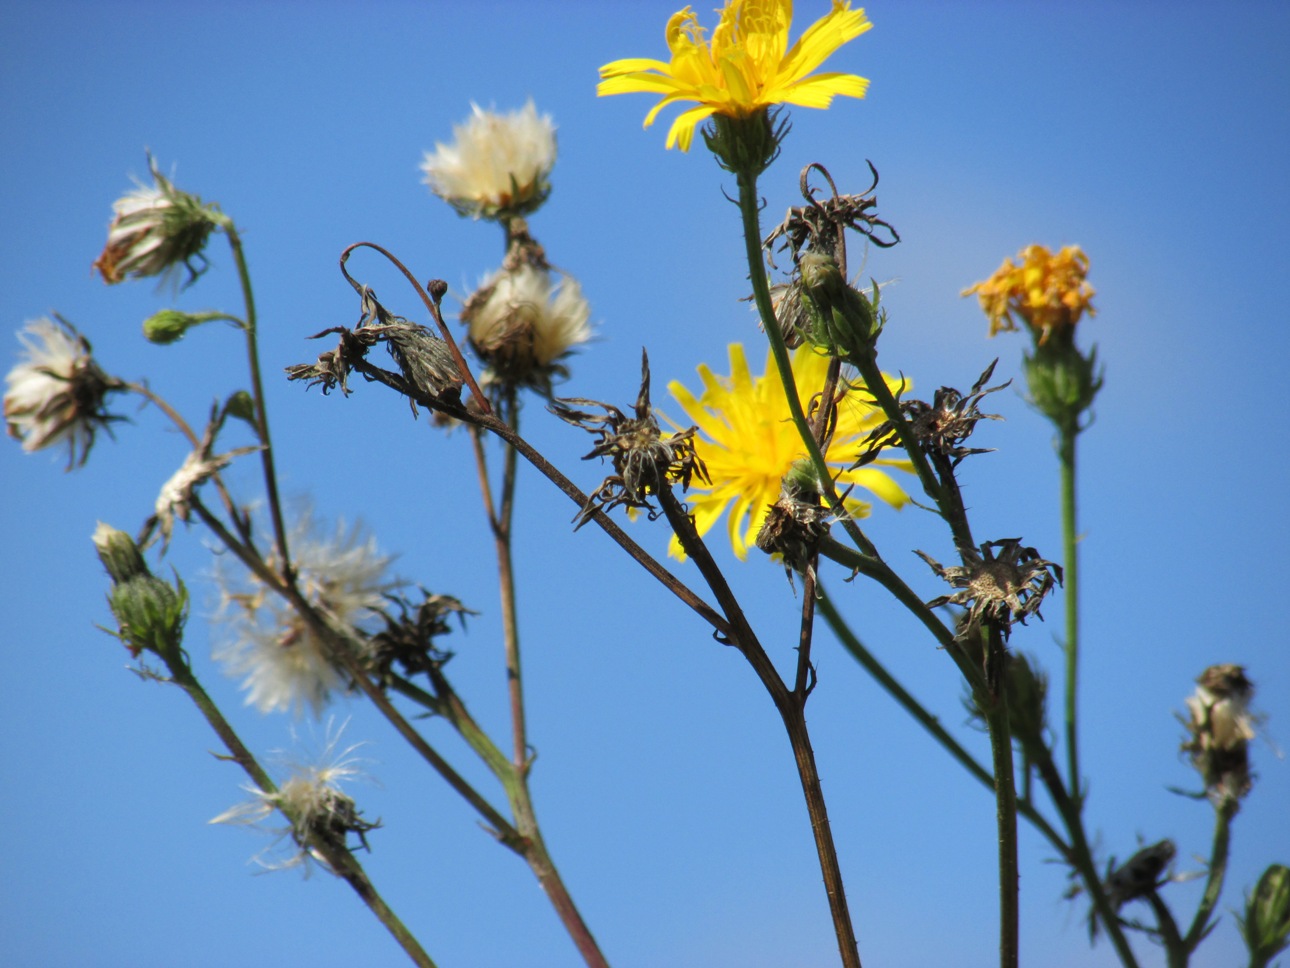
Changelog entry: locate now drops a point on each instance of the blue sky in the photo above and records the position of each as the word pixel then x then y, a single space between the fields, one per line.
pixel 1154 135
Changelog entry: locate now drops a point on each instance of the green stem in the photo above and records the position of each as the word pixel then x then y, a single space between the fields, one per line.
pixel 1070 584
pixel 1224 811
pixel 261 406
pixel 515 779
pixel 338 857
pixel 906 701
pixel 779 351
pixel 1005 790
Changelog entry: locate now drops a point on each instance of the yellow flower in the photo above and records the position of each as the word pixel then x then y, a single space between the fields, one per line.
pixel 747 68
pixel 1048 291
pixel 751 442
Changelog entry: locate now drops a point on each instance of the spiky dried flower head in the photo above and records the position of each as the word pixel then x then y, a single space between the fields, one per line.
pixel 1001 584
pixel 523 321
pixel 645 459
pixel 1219 729
pixel 796 523
pixel 1140 875
pixel 428 371
pixel 1047 290
pixel 819 224
pixel 409 639
pixel 284 661
pixel 157 229
pixel 498 167
pixel 941 426
pixel 57 394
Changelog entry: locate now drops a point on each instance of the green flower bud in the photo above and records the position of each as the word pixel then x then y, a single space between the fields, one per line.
pixel 1027 702
pixel 1266 925
pixel 168 326
pixel 1062 381
pixel 240 405
pixel 745 145
pixel 119 554
pixel 150 614
pixel 842 321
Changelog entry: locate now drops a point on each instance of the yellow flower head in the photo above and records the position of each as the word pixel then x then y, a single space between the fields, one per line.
pixel 750 443
pixel 747 68
pixel 1048 291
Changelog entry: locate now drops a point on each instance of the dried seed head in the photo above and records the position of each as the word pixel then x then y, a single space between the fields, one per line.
pixel 795 525
pixel 408 639
pixel 1140 875
pixel 1219 729
pixel 1001 588
pixel 645 459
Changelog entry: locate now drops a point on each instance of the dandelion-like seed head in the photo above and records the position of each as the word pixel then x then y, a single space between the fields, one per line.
pixel 498 167
pixel 522 324
pixel 1047 290
pixel 746 69
pixel 283 662
pixel 321 814
pixel 57 394
pixel 1219 729
pixel 155 230
pixel 749 443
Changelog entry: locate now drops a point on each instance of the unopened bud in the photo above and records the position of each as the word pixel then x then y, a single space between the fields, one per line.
pixel 119 554
pixel 1266 925
pixel 168 326
pixel 842 319
pixel 150 614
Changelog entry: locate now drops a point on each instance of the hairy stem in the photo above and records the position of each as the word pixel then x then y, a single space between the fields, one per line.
pixel 1067 434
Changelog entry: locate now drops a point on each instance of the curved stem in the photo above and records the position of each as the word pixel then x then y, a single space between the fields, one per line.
pixel 261 406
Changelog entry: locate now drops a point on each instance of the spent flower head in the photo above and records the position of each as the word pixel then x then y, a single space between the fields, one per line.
pixel 1219 729
pixel 750 443
pixel 1047 290
pixel 746 69
pixel 58 393
pixel 498 167
pixel 1001 584
pixel 645 459
pixel 284 662
pixel 321 815
pixel 522 322
pixel 155 230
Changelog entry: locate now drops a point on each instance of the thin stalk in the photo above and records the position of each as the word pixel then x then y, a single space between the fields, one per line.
pixel 791 706
pixel 906 701
pixel 996 714
pixel 250 328
pixel 1067 434
pixel 339 858
pixel 779 351
pixel 1224 811
pixel 500 519
pixel 1081 857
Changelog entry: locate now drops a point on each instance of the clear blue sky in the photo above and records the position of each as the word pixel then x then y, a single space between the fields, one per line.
pixel 1155 135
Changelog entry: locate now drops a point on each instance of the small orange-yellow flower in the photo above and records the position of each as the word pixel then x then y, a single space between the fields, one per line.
pixel 748 66
pixel 1047 290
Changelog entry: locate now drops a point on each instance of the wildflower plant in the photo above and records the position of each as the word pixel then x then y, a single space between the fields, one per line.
pixel 797 459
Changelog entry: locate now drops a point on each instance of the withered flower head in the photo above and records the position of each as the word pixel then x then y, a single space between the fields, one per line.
pixel 58 393
pixel 428 370
pixel 156 229
pixel 998 589
pixel 819 225
pixel 940 426
pixel 1219 729
pixel 408 638
pixel 796 523
pixel 1140 874
pixel 645 459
